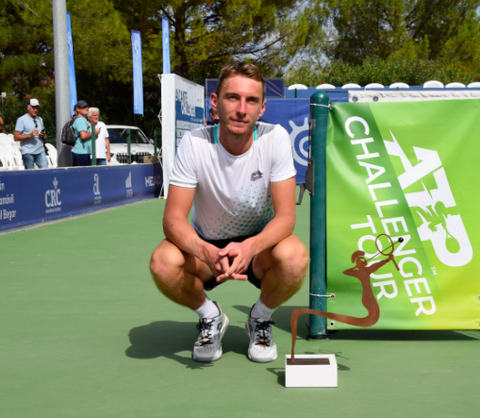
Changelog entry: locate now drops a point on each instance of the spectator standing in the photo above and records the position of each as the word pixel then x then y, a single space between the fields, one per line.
pixel 30 132
pixel 102 148
pixel 1 125
pixel 82 150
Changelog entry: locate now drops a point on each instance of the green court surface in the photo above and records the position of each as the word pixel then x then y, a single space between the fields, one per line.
pixel 85 333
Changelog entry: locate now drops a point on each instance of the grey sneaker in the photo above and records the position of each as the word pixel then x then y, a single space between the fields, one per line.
pixel 262 348
pixel 208 346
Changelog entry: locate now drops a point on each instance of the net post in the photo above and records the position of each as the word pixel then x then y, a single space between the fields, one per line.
pixel 319 109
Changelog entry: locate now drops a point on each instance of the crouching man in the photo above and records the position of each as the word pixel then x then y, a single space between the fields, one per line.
pixel 240 178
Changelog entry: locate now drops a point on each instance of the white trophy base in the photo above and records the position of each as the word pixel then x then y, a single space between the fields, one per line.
pixel 311 371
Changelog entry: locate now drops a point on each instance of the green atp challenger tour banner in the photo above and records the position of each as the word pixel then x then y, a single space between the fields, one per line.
pixel 406 170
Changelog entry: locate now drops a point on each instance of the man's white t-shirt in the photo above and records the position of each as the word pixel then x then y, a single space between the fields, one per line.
pixel 233 193
pixel 101 146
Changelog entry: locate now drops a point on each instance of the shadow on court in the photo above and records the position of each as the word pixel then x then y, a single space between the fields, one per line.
pixel 174 340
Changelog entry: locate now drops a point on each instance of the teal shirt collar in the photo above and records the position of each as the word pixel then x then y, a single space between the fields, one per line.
pixel 216 139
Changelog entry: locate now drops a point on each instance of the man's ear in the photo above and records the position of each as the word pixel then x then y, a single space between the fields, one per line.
pixel 262 110
pixel 214 101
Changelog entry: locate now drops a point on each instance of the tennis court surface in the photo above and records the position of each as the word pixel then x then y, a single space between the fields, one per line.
pixel 85 333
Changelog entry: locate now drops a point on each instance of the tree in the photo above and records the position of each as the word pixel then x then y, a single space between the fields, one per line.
pixel 26 46
pixel 207 34
pixel 26 52
pixel 396 40
pixel 381 28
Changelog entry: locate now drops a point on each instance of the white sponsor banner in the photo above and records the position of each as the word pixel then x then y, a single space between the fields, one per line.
pixel 182 110
pixel 359 96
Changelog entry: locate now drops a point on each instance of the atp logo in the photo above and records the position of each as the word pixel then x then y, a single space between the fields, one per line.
pixel 434 204
pixel 300 142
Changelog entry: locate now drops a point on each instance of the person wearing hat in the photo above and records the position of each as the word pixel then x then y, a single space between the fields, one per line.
pixel 82 150
pixel 30 132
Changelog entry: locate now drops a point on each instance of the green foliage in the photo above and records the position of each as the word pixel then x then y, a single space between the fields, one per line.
pixel 375 70
pixel 25 46
pixel 379 28
pixel 206 34
pixel 386 41
pixel 334 41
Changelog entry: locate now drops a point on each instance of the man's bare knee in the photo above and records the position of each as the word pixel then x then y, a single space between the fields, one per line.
pixel 166 264
pixel 292 259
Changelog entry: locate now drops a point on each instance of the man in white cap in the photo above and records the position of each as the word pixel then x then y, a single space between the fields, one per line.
pixel 30 131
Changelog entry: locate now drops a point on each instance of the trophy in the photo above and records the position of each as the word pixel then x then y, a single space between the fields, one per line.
pixel 321 370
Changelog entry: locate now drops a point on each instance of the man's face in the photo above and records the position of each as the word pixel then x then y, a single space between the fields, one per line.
pixel 93 117
pixel 83 111
pixel 32 110
pixel 240 104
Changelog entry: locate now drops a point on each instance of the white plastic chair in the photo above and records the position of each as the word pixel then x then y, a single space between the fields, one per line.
pixel 17 157
pixel 455 85
pixel 399 85
pixel 325 86
pixel 351 86
pixel 5 139
pixel 474 85
pixel 297 87
pixel 52 155
pixel 432 84
pixel 6 158
pixel 374 86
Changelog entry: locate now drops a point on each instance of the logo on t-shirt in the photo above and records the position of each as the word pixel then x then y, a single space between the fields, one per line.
pixel 257 175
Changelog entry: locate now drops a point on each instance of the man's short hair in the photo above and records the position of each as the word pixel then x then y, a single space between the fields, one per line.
pixel 245 69
pixel 213 112
pixel 93 109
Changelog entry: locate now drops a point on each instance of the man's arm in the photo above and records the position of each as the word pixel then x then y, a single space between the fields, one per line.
pixel 279 228
pixel 84 135
pixel 107 146
pixel 17 135
pixel 178 230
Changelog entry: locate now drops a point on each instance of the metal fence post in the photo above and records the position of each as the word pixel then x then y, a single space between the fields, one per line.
pixel 94 145
pixel 129 147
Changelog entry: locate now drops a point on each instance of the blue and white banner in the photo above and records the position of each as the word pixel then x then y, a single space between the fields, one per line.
pixel 71 66
pixel 184 113
pixel 166 46
pixel 293 115
pixel 137 73
pixel 33 196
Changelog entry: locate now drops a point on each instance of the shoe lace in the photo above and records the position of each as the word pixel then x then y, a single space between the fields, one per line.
pixel 262 333
pixel 204 328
